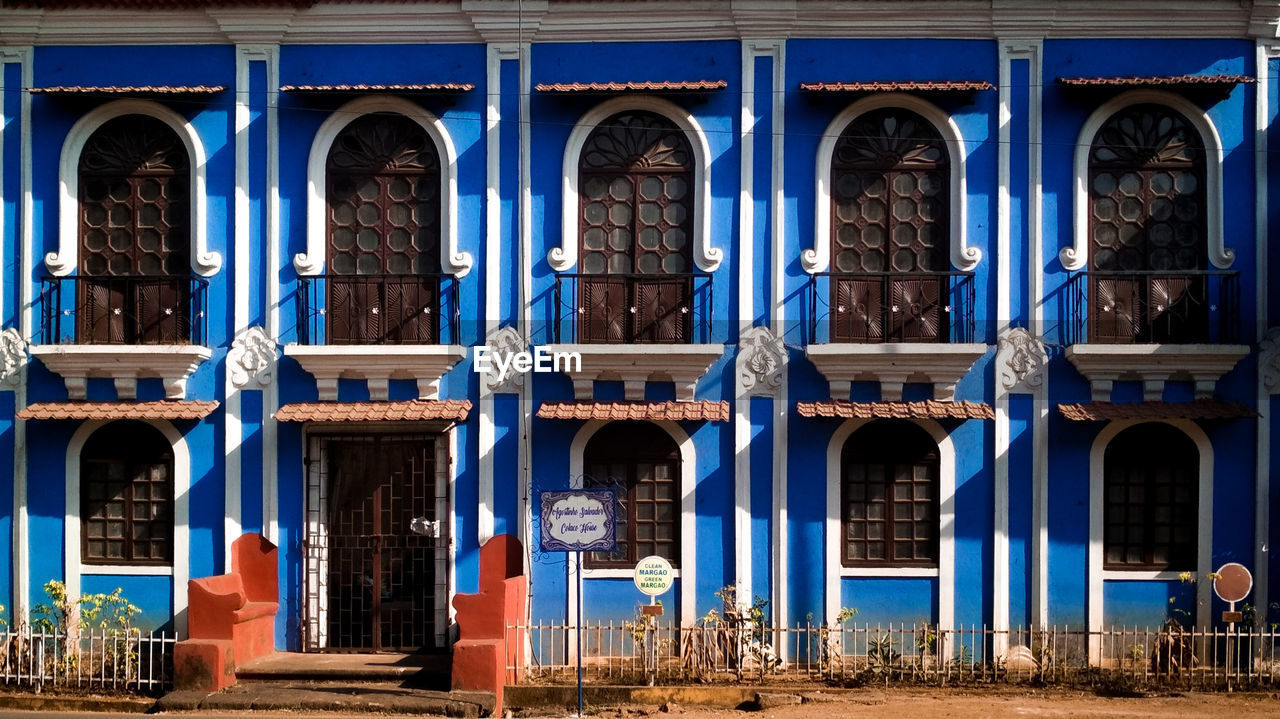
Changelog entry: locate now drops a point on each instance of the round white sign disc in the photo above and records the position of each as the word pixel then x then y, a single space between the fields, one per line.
pixel 653 575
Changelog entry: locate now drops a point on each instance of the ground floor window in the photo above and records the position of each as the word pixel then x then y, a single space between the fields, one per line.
pixel 642 462
pixel 126 496
pixel 889 496
pixel 1150 490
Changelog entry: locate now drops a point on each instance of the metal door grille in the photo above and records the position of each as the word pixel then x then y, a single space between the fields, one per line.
pixel 377 542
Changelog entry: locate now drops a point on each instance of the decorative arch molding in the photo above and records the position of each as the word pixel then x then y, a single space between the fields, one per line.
pixel 706 257
pixel 687 571
pixel 1204 537
pixel 181 570
pixel 312 261
pixel 1076 257
pixel 946 570
pixel 63 262
pixel 963 257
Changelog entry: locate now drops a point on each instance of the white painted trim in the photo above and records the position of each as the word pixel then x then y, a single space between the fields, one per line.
pixel 65 261
pixel 1122 575
pixel 452 571
pixel 1204 540
pixel 778 320
pixel 742 579
pixel 688 517
pixel 485 433
pixel 233 438
pixel 1265 52
pixel 273 234
pixel 618 573
pixel 963 257
pixel 832 532
pixel 706 257
pixel 525 280
pixel 312 262
pixel 21 545
pixel 180 571
pixel 889 572
pixel 108 570
pixel 1076 257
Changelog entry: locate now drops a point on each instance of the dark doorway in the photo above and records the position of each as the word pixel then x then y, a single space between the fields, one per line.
pixel 377 543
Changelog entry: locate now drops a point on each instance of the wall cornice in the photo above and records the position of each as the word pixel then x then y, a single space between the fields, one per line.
pixel 623 20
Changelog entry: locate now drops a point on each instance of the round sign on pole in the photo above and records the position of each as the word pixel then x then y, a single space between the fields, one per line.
pixel 653 575
pixel 1233 583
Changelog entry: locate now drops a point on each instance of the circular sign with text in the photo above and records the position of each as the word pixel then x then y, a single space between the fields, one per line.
pixel 654 575
pixel 1233 582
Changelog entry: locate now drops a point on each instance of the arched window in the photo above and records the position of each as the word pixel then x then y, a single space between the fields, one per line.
pixel 889 473
pixel 126 496
pixel 890 193
pixel 636 231
pixel 1147 228
pixel 134 228
pixel 1150 488
pixel 383 226
pixel 642 463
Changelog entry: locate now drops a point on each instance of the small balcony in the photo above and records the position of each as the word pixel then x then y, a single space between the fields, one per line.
pixel 636 328
pixel 377 328
pixel 893 328
pixel 1153 327
pixel 123 329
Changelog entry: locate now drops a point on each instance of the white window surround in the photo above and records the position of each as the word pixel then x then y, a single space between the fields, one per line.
pixel 833 531
pixel 180 570
pixel 312 262
pixel 706 257
pixel 688 527
pixel 124 570
pixel 1204 539
pixel 963 257
pixel 67 258
pixel 1076 257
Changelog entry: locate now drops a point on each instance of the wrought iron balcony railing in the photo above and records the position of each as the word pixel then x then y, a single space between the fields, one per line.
pixel 633 308
pixel 1184 307
pixel 123 310
pixel 378 309
pixel 878 307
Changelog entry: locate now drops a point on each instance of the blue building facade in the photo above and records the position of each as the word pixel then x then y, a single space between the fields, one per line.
pixel 954 314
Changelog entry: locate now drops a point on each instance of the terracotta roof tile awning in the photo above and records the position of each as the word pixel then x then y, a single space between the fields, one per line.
pixel 1199 409
pixel 420 87
pixel 928 409
pixel 135 90
pixel 650 86
pixel 697 411
pixel 1183 81
pixel 899 86
pixel 161 409
pixel 414 410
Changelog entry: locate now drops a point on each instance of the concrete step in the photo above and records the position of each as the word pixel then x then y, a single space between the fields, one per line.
pixel 420 670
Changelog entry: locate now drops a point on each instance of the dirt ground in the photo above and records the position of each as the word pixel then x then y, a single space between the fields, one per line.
pixel 990 704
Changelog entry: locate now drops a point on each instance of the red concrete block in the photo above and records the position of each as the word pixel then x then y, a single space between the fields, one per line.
pixel 256 560
pixel 484 650
pixel 204 665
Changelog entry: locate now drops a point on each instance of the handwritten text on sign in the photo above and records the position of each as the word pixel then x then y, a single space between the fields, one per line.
pixel 580 520
pixel 654 575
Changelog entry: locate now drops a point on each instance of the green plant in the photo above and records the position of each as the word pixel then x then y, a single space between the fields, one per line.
pixel 882 657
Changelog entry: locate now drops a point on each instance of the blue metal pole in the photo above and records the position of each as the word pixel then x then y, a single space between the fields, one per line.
pixel 580 600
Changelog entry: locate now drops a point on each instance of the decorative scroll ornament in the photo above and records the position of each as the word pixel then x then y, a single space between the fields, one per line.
pixel 1269 361
pixel 1021 359
pixel 252 358
pixel 13 356
pixel 760 361
pixel 505 342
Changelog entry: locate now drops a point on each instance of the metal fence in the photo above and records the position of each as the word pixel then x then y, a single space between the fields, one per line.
pixel 93 659
pixel 850 654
